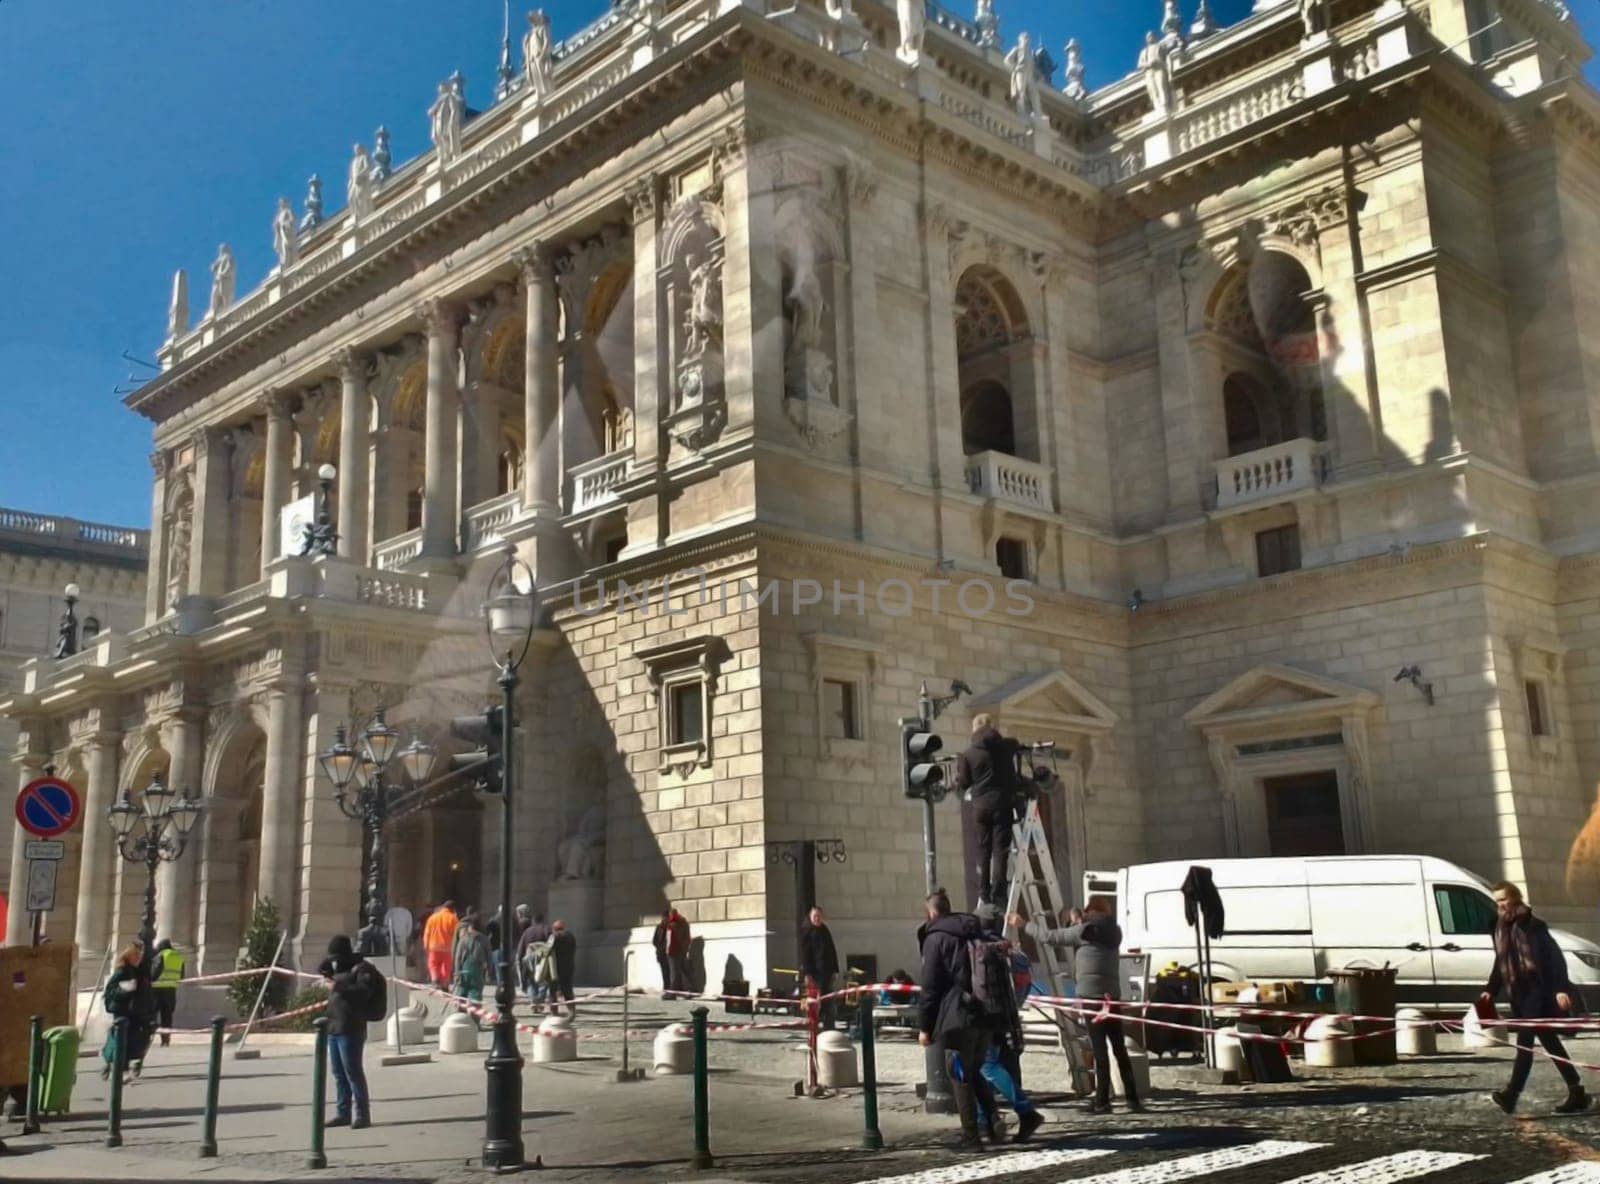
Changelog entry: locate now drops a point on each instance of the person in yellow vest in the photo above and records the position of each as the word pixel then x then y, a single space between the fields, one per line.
pixel 168 972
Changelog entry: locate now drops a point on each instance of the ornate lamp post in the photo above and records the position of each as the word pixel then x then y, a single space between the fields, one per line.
pixel 509 619
pixel 154 832
pixel 67 632
pixel 320 537
pixel 344 765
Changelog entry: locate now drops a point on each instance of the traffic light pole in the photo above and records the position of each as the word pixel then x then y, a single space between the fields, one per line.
pixel 502 1137
pixel 936 1095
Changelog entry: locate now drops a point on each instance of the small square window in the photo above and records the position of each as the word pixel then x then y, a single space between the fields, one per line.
pixel 1538 710
pixel 1012 556
pixel 1278 551
pixel 840 720
pixel 686 718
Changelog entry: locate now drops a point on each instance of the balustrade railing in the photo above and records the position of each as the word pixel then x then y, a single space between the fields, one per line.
pixel 70 530
pixel 1008 478
pixel 1271 473
pixel 392 590
pixel 1231 112
pixel 485 523
pixel 595 482
pixel 393 554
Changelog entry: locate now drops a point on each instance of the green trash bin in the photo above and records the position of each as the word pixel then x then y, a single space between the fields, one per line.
pixel 59 1070
pixel 1369 991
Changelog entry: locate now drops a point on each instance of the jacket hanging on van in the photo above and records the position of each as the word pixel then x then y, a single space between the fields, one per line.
pixel 1200 892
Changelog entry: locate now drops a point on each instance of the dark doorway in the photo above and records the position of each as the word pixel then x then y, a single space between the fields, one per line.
pixel 1303 815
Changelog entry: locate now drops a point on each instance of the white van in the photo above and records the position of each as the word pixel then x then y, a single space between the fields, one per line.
pixel 1297 919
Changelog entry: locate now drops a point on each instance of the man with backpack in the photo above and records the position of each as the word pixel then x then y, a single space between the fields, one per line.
pixel 959 1006
pixel 986 773
pixel 357 996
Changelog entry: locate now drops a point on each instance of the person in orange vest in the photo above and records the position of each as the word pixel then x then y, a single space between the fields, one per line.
pixel 438 938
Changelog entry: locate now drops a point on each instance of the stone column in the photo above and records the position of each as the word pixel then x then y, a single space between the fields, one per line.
pixel 1188 448
pixel 155 578
pixel 1344 336
pixel 441 512
pixel 275 482
pixel 98 856
pixel 175 881
pixel 208 561
pixel 541 468
pixel 330 844
pixel 354 449
pixel 649 343
pixel 281 798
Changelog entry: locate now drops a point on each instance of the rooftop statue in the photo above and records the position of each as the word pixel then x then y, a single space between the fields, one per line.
pixel 358 189
pixel 222 281
pixel 285 237
pixel 536 51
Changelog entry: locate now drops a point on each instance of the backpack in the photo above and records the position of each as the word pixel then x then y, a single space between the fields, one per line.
pixel 375 1003
pixel 989 970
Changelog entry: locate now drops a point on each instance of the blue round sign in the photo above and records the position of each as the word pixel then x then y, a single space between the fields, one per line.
pixel 47 806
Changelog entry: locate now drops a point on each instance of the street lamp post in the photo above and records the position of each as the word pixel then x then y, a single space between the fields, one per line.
pixel 343 765
pixel 154 832
pixel 320 537
pixel 509 619
pixel 67 632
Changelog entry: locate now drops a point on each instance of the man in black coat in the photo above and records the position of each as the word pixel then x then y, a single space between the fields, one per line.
pixel 987 772
pixel 564 954
pixel 946 1017
pixel 1533 971
pixel 819 962
pixel 351 982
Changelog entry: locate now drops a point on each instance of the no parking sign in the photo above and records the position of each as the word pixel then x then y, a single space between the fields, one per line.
pixel 47 806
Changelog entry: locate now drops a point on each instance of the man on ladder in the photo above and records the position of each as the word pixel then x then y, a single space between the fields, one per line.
pixel 986 774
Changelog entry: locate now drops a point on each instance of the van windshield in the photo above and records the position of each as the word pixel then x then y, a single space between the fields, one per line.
pixel 1463 910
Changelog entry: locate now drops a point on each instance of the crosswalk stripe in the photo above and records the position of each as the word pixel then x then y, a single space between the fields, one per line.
pixel 1205 1164
pixel 1568 1173
pixel 998 1165
pixel 1403 1165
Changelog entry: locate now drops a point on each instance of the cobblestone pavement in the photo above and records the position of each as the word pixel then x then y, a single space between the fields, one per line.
pixel 1427 1120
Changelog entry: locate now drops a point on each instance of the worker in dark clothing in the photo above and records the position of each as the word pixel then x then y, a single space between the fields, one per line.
pixel 987 774
pixel 564 956
pixel 945 1015
pixel 819 963
pixel 352 984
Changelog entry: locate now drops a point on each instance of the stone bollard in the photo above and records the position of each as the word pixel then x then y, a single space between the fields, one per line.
pixel 673 1051
pixel 404 1026
pixel 836 1061
pixel 1477 1034
pixel 1230 1051
pixel 555 1041
pixel 459 1033
pixel 1416 1036
pixel 1327 1043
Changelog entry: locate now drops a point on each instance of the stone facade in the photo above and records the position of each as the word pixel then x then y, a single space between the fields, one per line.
pixel 40 554
pixel 803 373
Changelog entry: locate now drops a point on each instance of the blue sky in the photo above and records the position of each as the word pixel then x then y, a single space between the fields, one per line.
pixel 143 133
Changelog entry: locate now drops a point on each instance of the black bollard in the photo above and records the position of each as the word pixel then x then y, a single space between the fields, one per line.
pixel 208 1129
pixel 30 1114
pixel 119 1058
pixel 319 1093
pixel 702 1094
pixel 871 1136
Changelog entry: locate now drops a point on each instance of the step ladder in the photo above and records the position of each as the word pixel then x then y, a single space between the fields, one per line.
pixel 1035 891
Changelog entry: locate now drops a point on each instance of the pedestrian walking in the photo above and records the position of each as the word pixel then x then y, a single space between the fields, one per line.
pixel 564 963
pixel 356 991
pixel 819 963
pixel 947 1017
pixel 128 996
pixel 532 947
pixel 658 940
pixel 1096 941
pixel 678 940
pixel 470 913
pixel 438 939
pixel 473 961
pixel 986 772
pixel 169 969
pixel 1530 968
pixel 1002 1063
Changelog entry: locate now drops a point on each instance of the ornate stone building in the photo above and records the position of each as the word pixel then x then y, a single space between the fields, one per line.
pixel 40 555
pixel 1234 425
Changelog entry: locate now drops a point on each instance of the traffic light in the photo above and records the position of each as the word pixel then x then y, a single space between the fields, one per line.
pixel 923 775
pixel 486 764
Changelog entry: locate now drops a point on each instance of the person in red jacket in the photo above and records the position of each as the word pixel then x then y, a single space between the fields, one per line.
pixel 677 941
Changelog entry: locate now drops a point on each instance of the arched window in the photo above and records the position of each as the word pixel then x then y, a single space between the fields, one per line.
pixel 1242 400
pixel 90 629
pixel 986 420
pixel 1277 395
